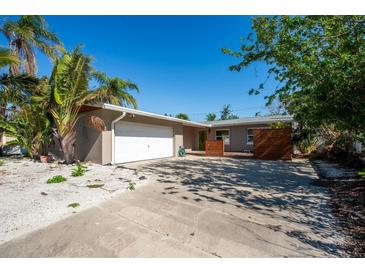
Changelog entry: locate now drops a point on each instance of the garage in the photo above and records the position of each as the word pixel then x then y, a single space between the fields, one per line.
pixel 137 142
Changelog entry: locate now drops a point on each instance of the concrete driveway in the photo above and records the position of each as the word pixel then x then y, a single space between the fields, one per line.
pixel 199 207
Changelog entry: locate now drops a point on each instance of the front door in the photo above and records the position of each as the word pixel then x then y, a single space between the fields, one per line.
pixel 202 139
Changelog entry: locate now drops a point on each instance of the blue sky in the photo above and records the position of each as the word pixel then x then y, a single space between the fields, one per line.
pixel 175 60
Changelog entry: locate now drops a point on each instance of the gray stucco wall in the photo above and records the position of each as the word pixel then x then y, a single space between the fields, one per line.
pixel 238 136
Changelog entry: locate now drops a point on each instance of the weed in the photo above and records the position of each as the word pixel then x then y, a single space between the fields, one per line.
pixel 74 205
pixel 56 179
pixel 2 162
pixel 131 186
pixel 79 170
pixel 95 186
pixel 362 174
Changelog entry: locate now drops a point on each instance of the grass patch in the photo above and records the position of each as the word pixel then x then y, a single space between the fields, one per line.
pixel 79 170
pixel 74 205
pixel 56 179
pixel 2 162
pixel 132 186
pixel 95 186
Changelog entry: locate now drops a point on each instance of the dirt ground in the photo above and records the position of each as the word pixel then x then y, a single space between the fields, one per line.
pixel 28 202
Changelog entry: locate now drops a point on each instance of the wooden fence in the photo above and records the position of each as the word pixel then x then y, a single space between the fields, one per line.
pixel 272 144
pixel 214 148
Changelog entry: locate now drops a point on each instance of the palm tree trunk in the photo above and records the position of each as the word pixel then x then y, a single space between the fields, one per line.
pixel 2 114
pixel 68 147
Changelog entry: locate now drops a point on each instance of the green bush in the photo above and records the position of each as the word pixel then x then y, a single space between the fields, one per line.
pixel 2 162
pixel 74 205
pixel 132 186
pixel 362 174
pixel 79 170
pixel 56 179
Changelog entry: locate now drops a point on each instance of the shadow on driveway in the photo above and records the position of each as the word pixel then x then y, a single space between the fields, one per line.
pixel 280 191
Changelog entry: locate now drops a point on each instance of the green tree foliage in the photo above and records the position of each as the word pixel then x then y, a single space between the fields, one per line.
pixel 7 58
pixel 182 116
pixel 69 90
pixel 278 125
pixel 30 124
pixel 319 62
pixel 115 90
pixel 27 34
pixel 211 116
pixel 226 113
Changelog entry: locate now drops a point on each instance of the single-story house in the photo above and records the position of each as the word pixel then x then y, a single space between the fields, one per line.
pixel 134 135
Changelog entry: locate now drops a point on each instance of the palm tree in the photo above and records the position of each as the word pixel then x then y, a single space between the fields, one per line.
pixel 182 116
pixel 211 116
pixel 25 35
pixel 69 90
pixel 115 90
pixel 7 58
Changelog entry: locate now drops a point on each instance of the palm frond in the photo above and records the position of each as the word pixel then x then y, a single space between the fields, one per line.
pixel 8 58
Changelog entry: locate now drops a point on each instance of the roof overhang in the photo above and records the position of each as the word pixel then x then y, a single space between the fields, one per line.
pixel 213 124
pixel 252 121
pixel 153 115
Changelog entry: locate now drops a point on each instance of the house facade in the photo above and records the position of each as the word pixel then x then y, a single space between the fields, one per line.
pixel 133 135
pixel 237 134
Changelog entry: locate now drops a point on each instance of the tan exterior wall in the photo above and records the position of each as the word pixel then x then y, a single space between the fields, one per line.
pixel 190 138
pixel 88 145
pixel 96 146
pixel 106 147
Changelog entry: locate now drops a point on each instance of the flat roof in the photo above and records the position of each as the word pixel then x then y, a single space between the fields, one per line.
pixel 218 123
pixel 251 120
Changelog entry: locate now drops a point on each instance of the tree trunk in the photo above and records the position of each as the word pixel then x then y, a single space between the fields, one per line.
pixel 2 114
pixel 68 147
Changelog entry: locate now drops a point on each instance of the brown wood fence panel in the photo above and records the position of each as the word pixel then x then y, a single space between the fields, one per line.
pixel 272 144
pixel 214 148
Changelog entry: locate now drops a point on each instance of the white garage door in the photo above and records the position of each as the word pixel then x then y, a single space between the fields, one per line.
pixel 136 142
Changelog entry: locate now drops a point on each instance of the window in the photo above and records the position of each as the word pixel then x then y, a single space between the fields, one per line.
pixel 250 136
pixel 222 135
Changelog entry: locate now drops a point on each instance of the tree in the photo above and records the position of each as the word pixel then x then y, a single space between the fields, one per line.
pixel 13 88
pixel 69 90
pixel 26 35
pixel 226 113
pixel 319 62
pixel 115 90
pixel 29 125
pixel 182 116
pixel 276 108
pixel 211 116
pixel 7 58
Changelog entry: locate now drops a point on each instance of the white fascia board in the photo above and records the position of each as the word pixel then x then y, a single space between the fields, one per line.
pixel 240 123
pixel 153 115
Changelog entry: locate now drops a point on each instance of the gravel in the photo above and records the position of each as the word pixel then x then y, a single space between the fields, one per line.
pixel 27 202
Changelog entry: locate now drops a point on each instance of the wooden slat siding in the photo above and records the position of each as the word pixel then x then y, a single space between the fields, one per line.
pixel 214 148
pixel 272 144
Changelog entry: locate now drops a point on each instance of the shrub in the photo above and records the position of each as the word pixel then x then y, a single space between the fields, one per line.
pixel 132 186
pixel 2 162
pixel 56 179
pixel 79 170
pixel 362 174
pixel 74 205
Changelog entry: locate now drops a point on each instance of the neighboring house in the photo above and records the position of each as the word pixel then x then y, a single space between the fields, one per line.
pixel 134 135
